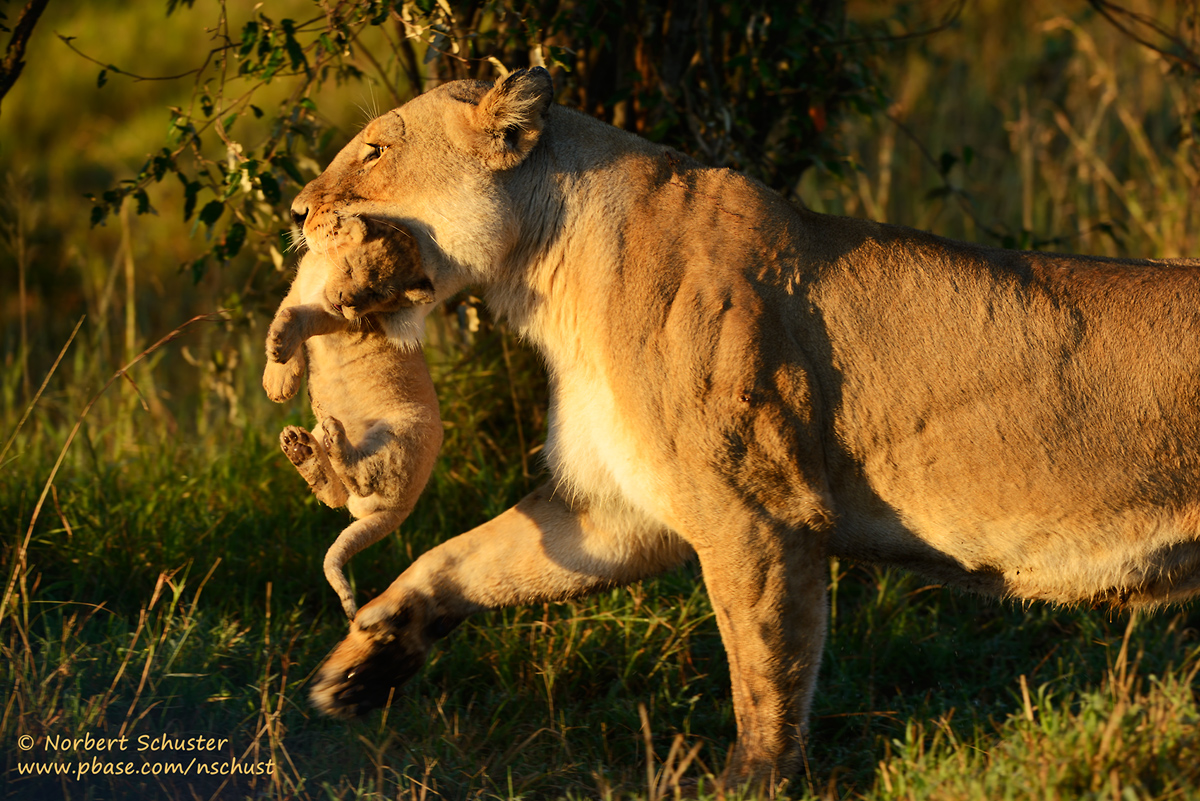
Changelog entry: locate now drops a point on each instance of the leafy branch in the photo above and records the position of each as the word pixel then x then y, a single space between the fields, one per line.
pixel 753 88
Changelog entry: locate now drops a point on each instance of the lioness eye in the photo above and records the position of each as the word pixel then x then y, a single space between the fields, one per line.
pixel 376 152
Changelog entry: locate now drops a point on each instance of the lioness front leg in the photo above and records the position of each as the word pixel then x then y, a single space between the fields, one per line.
pixel 542 549
pixel 311 462
pixel 767 586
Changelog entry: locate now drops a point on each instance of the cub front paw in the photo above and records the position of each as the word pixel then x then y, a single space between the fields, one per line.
pixel 282 380
pixel 283 338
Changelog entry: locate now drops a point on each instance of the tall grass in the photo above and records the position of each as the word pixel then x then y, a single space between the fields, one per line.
pixel 1055 132
pixel 172 581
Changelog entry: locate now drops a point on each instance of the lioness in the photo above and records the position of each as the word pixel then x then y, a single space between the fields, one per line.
pixel 379 430
pixel 765 387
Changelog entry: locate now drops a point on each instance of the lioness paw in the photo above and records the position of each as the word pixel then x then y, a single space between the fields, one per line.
pixel 388 643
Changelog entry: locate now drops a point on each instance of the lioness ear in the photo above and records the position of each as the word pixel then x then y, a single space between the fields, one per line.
pixel 510 117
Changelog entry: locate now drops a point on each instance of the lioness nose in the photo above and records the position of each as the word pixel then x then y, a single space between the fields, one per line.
pixel 299 215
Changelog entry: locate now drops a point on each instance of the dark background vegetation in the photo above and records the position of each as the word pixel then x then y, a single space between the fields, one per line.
pixel 161 560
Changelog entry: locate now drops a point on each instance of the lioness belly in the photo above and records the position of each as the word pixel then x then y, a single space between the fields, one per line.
pixel 1051 490
pixel 1143 557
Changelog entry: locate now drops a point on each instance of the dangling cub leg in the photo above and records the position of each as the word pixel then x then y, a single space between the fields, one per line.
pixel 394 458
pixel 312 462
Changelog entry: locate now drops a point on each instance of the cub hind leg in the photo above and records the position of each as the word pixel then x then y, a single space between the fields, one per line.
pixel 312 462
pixel 393 460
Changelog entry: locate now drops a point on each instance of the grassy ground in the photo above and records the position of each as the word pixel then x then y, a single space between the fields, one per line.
pixel 172 585
pixel 176 590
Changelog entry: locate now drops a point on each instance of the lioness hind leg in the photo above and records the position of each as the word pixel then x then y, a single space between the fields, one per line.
pixel 542 549
pixel 767 586
pixel 357 536
pixel 311 462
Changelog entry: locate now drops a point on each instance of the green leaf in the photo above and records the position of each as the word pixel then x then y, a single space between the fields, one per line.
pixel 383 15
pixel 102 78
pixel 198 269
pixel 294 50
pixel 270 188
pixel 212 212
pixel 249 38
pixel 235 237
pixel 286 164
pixel 161 164
pixel 190 189
pixel 233 185
pixel 947 162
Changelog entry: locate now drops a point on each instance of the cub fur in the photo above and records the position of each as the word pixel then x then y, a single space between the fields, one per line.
pixel 766 387
pixel 378 431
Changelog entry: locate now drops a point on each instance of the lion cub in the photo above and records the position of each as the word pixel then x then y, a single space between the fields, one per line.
pixel 379 430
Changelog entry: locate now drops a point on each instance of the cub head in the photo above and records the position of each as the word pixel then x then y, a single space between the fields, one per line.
pixel 375 268
pixel 436 167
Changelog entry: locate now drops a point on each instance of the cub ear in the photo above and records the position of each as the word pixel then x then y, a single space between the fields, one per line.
pixel 420 293
pixel 510 117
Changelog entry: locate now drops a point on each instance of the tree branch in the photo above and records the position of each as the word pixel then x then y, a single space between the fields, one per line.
pixel 1182 55
pixel 14 57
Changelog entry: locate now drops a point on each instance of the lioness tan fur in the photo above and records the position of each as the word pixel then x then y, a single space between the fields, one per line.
pixel 765 387
pixel 379 430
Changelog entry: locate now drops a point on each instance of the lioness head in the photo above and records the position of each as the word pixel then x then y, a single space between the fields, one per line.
pixel 435 166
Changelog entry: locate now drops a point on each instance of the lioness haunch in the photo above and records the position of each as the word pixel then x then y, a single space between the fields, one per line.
pixel 378 429
pixel 765 387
